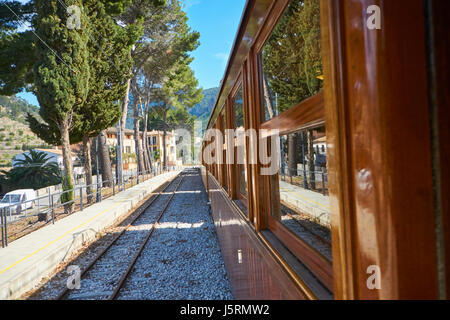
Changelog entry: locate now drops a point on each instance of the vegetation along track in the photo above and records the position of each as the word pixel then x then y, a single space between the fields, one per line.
pixel 105 275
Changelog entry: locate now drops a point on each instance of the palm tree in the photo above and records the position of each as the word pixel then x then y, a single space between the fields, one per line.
pixel 35 171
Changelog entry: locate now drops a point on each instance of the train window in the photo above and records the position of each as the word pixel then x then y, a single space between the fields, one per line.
pixel 238 108
pixel 300 207
pixel 223 165
pixel 291 60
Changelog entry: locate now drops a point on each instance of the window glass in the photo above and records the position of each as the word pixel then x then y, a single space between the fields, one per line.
pixel 242 171
pixel 291 61
pixel 300 198
pixel 238 107
pixel 13 198
pixel 224 156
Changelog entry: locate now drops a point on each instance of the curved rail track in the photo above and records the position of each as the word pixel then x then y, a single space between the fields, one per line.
pixel 176 182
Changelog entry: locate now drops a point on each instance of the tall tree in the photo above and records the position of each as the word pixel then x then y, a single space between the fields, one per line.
pixel 140 14
pixel 16 70
pixel 292 63
pixel 109 59
pixel 179 89
pixel 61 75
pixel 167 39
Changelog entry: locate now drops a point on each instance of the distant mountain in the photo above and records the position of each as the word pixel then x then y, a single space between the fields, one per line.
pixel 203 109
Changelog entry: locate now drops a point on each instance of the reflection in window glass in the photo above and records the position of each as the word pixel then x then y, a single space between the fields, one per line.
pixel 291 59
pixel 302 203
pixel 243 179
pixel 238 107
pixel 223 118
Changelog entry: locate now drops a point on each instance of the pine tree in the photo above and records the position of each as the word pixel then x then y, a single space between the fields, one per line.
pixel 16 70
pixel 140 15
pixel 171 39
pixel 109 61
pixel 61 75
pixel 109 47
pixel 179 89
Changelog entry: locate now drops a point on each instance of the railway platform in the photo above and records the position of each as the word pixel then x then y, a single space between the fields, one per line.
pixel 28 260
pixel 312 203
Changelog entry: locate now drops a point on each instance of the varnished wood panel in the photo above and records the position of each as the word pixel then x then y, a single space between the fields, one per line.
pixel 258 275
pixel 309 112
pixel 313 260
pixel 378 138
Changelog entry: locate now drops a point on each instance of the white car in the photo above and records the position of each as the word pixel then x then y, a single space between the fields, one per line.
pixel 19 200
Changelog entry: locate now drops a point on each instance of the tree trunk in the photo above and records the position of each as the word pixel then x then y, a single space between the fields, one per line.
pixel 144 152
pixel 122 124
pixel 146 145
pixel 312 175
pixel 67 182
pixel 164 139
pixel 137 143
pixel 105 160
pixel 267 98
pixel 292 156
pixel 88 167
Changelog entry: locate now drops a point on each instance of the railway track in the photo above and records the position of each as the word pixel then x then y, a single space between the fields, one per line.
pixel 309 232
pixel 106 269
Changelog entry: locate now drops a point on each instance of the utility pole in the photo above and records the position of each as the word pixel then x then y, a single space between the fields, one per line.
pixel 119 164
pixel 99 194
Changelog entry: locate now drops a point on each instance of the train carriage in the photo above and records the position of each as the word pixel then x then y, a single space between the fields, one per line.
pixel 349 101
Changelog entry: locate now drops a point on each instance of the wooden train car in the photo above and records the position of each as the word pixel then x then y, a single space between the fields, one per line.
pixel 350 100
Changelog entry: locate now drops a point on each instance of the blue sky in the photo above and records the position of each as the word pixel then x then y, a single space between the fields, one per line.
pixel 217 21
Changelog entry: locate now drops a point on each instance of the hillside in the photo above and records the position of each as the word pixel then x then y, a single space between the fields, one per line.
pixel 14 132
pixel 203 109
pixel 16 108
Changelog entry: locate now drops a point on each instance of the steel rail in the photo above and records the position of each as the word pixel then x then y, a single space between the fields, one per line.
pixel 142 208
pixel 308 229
pixel 303 225
pixel 138 253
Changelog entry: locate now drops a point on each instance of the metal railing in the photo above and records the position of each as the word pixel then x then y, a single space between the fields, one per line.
pixel 19 219
pixel 314 180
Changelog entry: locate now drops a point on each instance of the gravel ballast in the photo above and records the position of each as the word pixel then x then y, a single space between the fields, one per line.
pixel 181 260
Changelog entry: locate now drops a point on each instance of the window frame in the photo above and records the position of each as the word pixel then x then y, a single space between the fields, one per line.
pixel 236 194
pixel 305 114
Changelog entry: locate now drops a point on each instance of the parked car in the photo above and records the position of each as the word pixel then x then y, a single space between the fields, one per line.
pixel 19 199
